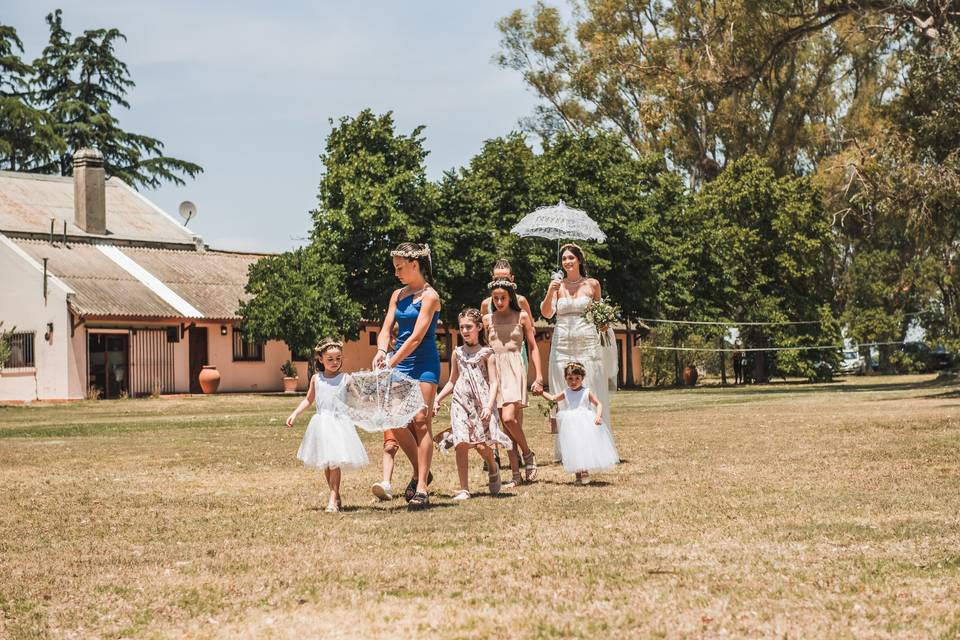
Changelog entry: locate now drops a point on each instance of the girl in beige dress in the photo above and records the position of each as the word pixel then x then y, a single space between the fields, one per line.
pixel 507 328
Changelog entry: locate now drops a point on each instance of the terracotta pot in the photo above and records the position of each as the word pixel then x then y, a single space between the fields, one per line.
pixel 209 379
pixel 290 384
pixel 690 375
pixel 550 425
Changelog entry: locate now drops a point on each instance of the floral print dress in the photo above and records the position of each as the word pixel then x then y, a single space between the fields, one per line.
pixel 470 395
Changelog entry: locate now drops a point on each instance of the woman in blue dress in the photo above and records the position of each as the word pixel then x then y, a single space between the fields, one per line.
pixel 415 308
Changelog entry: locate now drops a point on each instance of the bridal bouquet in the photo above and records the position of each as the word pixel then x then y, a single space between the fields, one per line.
pixel 601 314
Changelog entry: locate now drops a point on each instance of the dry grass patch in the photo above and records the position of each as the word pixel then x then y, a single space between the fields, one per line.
pixel 822 510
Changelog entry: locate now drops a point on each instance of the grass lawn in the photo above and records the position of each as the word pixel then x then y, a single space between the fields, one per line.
pixel 789 511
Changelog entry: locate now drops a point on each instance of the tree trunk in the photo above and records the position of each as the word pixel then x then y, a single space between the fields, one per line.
pixel 677 370
pixel 867 362
pixel 643 376
pixel 723 364
pixel 628 352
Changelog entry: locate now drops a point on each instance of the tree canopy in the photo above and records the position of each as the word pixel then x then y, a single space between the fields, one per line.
pixel 66 100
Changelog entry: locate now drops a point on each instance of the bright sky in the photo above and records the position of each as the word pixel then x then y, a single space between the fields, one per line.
pixel 245 89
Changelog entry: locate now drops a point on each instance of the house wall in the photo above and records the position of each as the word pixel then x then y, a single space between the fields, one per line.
pixel 245 375
pixel 22 305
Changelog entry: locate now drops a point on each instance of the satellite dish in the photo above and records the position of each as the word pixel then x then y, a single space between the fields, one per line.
pixel 188 211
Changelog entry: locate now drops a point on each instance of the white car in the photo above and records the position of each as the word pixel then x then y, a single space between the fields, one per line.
pixel 852 362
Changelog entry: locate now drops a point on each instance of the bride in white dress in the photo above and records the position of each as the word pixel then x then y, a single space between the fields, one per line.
pixel 575 339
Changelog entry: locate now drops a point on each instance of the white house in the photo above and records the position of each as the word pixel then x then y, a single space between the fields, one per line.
pixel 109 295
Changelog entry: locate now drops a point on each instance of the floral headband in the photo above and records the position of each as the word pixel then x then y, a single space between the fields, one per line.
pixel 412 254
pixel 327 344
pixel 502 284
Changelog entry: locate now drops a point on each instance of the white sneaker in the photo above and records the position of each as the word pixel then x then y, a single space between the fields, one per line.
pixel 462 494
pixel 382 490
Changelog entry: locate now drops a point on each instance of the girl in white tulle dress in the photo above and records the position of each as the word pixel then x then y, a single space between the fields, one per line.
pixel 585 441
pixel 330 442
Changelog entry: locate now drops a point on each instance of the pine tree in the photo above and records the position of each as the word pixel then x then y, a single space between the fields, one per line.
pixel 79 81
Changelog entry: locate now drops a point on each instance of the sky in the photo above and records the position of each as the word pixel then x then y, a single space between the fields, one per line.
pixel 247 89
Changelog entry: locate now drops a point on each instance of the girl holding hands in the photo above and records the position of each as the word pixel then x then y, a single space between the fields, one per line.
pixel 473 415
pixel 507 327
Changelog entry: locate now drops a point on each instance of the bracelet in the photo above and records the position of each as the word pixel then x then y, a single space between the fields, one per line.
pixel 384 351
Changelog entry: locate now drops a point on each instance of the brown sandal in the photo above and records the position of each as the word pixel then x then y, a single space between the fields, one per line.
pixel 530 466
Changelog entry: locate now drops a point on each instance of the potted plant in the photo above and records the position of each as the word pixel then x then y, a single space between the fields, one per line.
pixel 289 371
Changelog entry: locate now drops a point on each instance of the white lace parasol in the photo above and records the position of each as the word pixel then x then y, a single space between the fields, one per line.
pixel 559 222
pixel 382 399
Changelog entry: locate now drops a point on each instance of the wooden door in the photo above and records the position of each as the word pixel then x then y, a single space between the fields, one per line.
pixel 198 356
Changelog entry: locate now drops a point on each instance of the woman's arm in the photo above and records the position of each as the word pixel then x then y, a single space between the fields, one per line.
pixel 599 405
pixel 306 402
pixel 494 383
pixel 485 305
pixel 383 338
pixel 430 304
pixel 532 349
pixel 546 307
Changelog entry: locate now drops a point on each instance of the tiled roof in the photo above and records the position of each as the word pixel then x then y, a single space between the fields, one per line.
pixel 211 281
pixel 28 202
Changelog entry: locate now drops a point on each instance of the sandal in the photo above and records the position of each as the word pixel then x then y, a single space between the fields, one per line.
pixel 462 494
pixel 530 466
pixel 515 481
pixel 419 501
pixel 411 488
pixel 495 483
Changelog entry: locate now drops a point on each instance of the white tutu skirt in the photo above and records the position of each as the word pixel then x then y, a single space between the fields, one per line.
pixel 585 446
pixel 331 442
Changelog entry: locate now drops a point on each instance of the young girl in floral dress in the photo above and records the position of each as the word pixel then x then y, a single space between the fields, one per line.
pixel 507 328
pixel 473 414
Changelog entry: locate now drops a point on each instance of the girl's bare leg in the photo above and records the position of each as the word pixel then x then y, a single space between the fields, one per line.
pixel 333 481
pixel 487 454
pixel 463 469
pixel 404 440
pixel 512 415
pixel 422 430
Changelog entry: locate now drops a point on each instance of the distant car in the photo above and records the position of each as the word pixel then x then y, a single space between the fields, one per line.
pixel 935 359
pixel 852 363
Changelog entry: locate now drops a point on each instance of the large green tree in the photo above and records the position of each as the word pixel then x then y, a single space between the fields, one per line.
pixel 80 82
pixel 478 205
pixel 773 259
pixel 298 297
pixel 706 82
pixel 27 137
pixel 898 202
pixel 373 195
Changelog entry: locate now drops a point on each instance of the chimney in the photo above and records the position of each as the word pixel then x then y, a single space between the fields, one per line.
pixel 89 191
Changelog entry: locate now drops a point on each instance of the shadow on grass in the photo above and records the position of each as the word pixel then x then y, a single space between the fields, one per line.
pixel 571 483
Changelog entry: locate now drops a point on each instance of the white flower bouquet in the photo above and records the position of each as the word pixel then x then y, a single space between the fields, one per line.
pixel 601 314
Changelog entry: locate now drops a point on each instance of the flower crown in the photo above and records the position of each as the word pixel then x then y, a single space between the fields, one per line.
pixel 502 283
pixel 327 344
pixel 412 254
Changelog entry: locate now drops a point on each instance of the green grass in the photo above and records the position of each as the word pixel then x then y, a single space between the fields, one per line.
pixel 784 510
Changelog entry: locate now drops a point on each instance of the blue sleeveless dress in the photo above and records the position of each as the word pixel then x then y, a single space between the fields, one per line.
pixel 424 363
